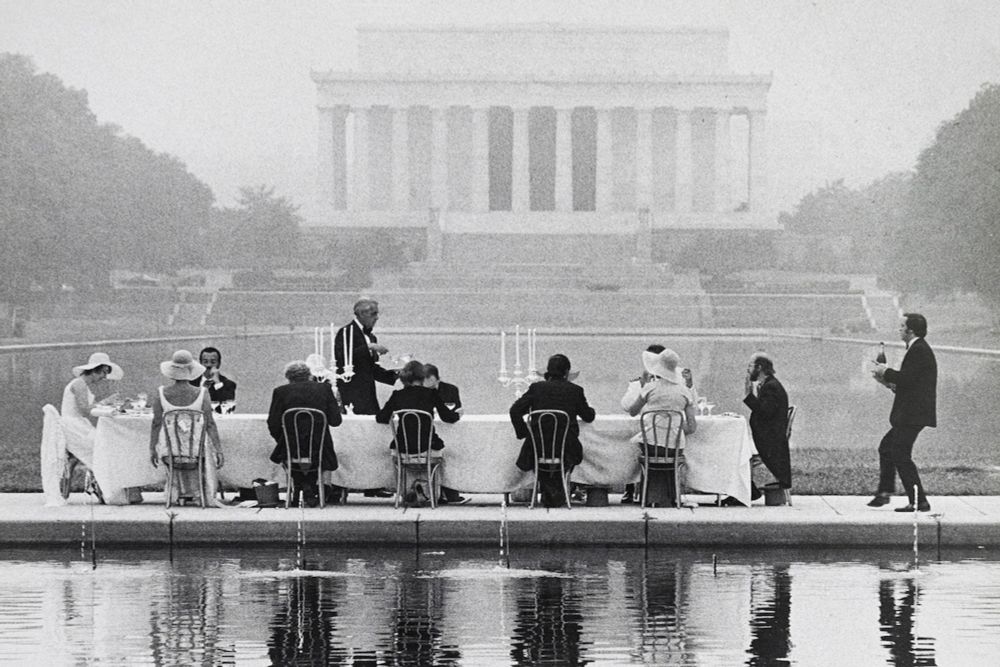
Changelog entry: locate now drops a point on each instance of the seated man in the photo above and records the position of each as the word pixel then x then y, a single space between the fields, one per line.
pixel 302 392
pixel 450 397
pixel 220 388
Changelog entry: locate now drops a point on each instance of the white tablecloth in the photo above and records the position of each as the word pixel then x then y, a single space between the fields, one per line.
pixel 479 454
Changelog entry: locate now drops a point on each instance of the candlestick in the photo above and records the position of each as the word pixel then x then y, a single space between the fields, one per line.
pixel 517 348
pixel 503 353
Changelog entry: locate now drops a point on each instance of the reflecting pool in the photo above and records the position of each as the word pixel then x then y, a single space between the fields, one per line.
pixel 458 607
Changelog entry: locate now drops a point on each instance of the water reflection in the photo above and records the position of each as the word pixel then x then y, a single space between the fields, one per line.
pixel 603 607
pixel 549 625
pixel 898 600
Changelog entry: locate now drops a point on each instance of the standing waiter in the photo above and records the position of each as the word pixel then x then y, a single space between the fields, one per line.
pixel 914 407
pixel 365 350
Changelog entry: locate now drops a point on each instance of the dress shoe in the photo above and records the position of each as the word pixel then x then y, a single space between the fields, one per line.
pixel 729 501
pixel 921 507
pixel 755 492
pixel 878 501
pixel 378 493
pixel 627 499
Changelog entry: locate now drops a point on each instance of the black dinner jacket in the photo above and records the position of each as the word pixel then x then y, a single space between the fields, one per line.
pixel 416 397
pixel 915 403
pixel 305 394
pixel 449 394
pixel 226 393
pixel 551 395
pixel 769 415
pixel 360 392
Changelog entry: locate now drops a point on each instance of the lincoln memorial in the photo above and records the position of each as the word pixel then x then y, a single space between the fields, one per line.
pixel 544 130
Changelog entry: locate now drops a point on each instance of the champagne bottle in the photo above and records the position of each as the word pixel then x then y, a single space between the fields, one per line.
pixel 881 354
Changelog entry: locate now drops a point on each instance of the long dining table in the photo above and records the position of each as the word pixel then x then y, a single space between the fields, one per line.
pixel 479 454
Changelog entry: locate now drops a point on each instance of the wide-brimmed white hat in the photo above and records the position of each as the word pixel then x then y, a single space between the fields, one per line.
pixel 182 366
pixel 662 365
pixel 100 359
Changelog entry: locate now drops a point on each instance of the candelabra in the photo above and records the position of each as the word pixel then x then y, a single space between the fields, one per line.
pixel 519 380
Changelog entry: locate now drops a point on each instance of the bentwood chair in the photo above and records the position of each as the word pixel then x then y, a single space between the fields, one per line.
pixel 305 431
pixel 792 410
pixel 184 432
pixel 548 430
pixel 662 442
pixel 413 434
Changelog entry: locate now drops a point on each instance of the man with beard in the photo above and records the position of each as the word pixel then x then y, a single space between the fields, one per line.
pixel 768 403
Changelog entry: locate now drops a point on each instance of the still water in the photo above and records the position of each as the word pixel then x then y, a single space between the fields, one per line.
pixel 455 607
pixel 840 406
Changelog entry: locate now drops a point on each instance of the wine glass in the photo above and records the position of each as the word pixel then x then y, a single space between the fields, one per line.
pixel 140 400
pixel 702 401
pixel 709 406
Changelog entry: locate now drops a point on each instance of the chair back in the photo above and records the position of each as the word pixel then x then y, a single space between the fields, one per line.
pixel 305 431
pixel 184 430
pixel 662 431
pixel 548 430
pixel 413 433
pixel 791 418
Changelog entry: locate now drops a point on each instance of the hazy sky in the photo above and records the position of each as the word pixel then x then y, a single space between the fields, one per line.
pixel 859 86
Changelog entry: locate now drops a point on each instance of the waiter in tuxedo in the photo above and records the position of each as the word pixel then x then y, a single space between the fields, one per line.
pixel 360 393
pixel 913 408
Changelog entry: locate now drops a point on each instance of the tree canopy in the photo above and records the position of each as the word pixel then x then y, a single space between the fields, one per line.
pixel 79 198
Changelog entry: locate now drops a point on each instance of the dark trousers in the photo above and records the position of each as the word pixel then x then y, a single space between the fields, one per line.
pixel 895 455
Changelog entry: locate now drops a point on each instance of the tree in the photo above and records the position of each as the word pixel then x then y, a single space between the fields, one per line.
pixel 949 238
pixel 263 230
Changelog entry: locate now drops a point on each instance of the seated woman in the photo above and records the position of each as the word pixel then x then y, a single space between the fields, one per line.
pixel 661 388
pixel 415 396
pixel 555 392
pixel 302 392
pixel 182 395
pixel 91 387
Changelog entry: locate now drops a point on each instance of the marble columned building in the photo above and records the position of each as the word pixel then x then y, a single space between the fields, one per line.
pixel 542 130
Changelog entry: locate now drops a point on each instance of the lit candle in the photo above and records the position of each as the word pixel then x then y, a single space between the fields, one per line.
pixel 322 340
pixel 316 340
pixel 333 347
pixel 503 353
pixel 350 348
pixel 517 347
pixel 343 344
pixel 532 341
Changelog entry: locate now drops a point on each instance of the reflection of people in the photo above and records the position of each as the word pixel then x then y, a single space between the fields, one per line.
pixel 913 408
pixel 896 623
pixel 301 392
pixel 548 628
pixel 555 392
pixel 90 388
pixel 360 392
pixel 181 395
pixel 302 628
pixel 220 388
pixel 770 621
pixel 768 403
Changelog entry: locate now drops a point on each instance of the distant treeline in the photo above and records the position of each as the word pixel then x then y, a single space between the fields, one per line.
pixel 935 229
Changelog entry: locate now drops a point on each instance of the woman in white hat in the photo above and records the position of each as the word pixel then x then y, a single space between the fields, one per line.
pixel 182 395
pixel 90 388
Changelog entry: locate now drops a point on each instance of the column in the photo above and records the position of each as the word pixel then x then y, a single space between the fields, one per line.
pixel 481 159
pixel 520 176
pixel 359 199
pixel 603 188
pixel 564 159
pixel 332 163
pixel 722 183
pixel 682 190
pixel 758 174
pixel 644 159
pixel 439 158
pixel 400 159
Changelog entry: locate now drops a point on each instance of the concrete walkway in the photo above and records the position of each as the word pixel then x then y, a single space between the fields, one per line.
pixel 820 521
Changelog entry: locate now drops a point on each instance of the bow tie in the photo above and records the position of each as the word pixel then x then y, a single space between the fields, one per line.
pixel 366 331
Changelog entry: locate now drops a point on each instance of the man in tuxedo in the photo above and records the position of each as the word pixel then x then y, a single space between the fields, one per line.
pixel 768 403
pixel 913 408
pixel 360 392
pixel 220 388
pixel 449 392
pixel 365 349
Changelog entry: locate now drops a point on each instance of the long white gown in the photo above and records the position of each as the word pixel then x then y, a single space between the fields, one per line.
pixel 76 424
